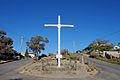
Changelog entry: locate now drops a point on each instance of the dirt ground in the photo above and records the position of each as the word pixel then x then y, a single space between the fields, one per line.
pixel 68 69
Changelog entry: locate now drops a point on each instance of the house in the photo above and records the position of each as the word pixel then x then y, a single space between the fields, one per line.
pixel 114 54
pixel 116 47
pixel 31 55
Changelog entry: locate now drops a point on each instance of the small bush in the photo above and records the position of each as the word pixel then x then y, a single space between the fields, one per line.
pixel 113 60
pixel 94 55
pixel 87 63
pixel 74 57
pixel 66 57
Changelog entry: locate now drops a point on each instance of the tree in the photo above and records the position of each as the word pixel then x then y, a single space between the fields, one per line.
pixel 65 52
pixel 99 45
pixel 78 51
pixel 2 33
pixel 107 47
pixel 37 44
pixel 26 53
pixel 5 43
pixel 118 44
pixel 96 44
pixel 6 48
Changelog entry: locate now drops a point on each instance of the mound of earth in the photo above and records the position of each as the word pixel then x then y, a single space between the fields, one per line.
pixel 49 69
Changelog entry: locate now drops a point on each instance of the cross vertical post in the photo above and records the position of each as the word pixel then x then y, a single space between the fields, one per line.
pixel 59 25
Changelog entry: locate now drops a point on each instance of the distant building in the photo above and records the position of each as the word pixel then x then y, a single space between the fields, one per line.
pixel 31 55
pixel 116 47
pixel 115 54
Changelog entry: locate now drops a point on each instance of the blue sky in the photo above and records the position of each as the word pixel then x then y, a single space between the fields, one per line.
pixel 92 19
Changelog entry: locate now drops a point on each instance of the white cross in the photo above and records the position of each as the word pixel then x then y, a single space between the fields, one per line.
pixel 59 25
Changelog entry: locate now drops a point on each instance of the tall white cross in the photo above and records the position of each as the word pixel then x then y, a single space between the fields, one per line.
pixel 59 25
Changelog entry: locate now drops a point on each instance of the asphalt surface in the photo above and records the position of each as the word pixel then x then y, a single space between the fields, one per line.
pixel 108 71
pixel 7 70
pixel 11 66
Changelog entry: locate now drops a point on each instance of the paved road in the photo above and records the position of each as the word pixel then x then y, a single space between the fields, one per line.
pixel 108 71
pixel 7 70
pixel 10 66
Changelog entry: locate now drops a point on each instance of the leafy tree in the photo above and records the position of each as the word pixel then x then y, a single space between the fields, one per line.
pixel 78 51
pixel 65 52
pixel 107 47
pixel 2 33
pixel 118 44
pixel 99 45
pixel 37 44
pixel 5 43
pixel 26 53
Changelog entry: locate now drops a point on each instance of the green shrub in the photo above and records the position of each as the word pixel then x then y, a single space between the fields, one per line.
pixel 94 55
pixel 87 63
pixel 74 57
pixel 113 60
pixel 26 53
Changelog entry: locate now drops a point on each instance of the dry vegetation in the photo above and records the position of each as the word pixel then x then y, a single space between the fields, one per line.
pixel 47 67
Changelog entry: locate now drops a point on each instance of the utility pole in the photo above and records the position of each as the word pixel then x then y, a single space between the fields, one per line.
pixel 82 58
pixel 73 44
pixel 21 41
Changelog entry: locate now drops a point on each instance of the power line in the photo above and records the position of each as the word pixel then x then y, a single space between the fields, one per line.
pixel 106 36
pixel 111 34
pixel 14 33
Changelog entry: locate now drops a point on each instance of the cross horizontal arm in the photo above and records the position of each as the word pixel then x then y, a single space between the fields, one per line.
pixel 51 25
pixel 67 25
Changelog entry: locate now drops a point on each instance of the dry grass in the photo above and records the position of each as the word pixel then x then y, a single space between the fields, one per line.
pixel 47 68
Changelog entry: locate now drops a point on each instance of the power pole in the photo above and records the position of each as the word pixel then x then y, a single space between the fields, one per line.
pixel 21 41
pixel 82 58
pixel 73 44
